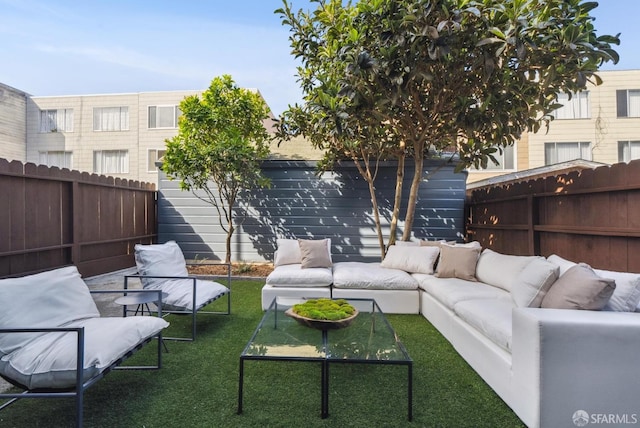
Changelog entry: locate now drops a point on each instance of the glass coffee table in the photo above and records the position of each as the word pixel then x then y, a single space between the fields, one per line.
pixel 370 339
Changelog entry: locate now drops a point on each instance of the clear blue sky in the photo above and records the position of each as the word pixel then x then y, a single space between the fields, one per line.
pixel 74 47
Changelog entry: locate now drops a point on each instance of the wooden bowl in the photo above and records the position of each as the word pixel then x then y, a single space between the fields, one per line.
pixel 322 324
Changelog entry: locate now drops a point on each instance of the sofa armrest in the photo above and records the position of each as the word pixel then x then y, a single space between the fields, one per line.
pixel 570 360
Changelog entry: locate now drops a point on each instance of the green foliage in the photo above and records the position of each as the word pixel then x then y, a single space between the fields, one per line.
pixel 220 144
pixel 385 79
pixel 324 309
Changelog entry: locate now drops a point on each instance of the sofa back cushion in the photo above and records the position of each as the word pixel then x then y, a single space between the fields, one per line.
pixel 626 296
pixel 500 270
pixel 412 259
pixel 44 300
pixel 533 282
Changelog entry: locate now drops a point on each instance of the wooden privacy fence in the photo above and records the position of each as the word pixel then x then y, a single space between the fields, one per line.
pixel 592 215
pixel 51 217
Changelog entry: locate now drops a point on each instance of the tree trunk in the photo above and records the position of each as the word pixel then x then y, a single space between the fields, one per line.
pixel 230 230
pixel 413 195
pixel 397 203
pixel 366 174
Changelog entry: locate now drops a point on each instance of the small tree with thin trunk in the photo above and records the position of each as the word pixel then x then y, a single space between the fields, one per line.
pixel 220 144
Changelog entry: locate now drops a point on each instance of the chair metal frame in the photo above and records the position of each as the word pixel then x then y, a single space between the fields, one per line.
pixel 77 392
pixel 195 310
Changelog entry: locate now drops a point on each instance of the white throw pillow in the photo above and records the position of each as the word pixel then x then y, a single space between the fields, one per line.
pixel 500 270
pixel 288 252
pixel 533 282
pixel 48 299
pixel 412 259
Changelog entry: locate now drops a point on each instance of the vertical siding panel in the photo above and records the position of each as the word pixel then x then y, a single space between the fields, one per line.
pixel 301 204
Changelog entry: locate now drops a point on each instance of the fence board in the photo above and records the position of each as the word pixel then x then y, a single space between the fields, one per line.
pixel 588 215
pixel 52 217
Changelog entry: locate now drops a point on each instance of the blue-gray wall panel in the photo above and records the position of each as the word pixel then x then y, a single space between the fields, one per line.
pixel 301 204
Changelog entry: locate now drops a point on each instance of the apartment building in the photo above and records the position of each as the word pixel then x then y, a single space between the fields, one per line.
pixel 600 124
pixel 13 123
pixel 120 135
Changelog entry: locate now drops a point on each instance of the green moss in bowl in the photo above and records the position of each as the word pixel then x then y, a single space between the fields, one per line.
pixel 324 309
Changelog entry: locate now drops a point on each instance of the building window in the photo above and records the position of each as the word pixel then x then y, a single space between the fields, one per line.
pixel 575 108
pixel 628 151
pixel 111 161
pixel 564 152
pixel 154 155
pixel 628 102
pixel 163 116
pixel 57 158
pixel 506 160
pixel 60 120
pixel 111 119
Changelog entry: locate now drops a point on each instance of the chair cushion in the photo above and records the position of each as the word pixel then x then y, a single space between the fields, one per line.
pixel 49 360
pixel 167 260
pixel 159 260
pixel 180 293
pixel 293 275
pixel 48 299
pixel 364 275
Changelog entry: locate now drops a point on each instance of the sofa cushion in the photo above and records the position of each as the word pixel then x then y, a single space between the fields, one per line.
pixel 626 296
pixel 371 276
pixel 562 263
pixel 579 288
pixel 412 259
pixel 500 270
pixel 458 261
pixel 49 361
pixel 48 299
pixel 292 275
pixel 491 317
pixel 450 291
pixel 533 282
pixel 315 253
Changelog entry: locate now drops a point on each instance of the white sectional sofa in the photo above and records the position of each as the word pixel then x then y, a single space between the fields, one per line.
pixel 553 365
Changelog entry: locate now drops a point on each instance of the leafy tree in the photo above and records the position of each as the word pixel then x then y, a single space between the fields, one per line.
pixel 220 143
pixel 435 75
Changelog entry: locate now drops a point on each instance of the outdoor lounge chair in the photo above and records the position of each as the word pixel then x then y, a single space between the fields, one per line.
pixel 163 267
pixel 54 343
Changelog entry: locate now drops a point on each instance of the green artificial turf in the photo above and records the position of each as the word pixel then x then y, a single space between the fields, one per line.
pixel 198 384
